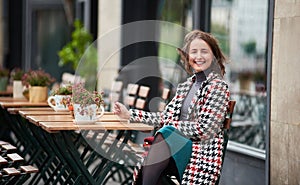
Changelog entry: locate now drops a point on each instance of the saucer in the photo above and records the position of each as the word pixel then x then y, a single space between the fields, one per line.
pixel 84 122
pixel 60 109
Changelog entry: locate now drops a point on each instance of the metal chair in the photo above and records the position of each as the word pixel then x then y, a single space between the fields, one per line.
pixel 14 169
pixel 142 97
pixel 115 92
pixel 130 98
pixel 165 96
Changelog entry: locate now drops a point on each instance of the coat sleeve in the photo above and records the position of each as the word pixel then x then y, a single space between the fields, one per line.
pixel 157 119
pixel 212 111
pixel 150 118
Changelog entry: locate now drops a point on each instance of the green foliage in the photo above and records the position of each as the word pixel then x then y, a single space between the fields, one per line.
pixel 249 47
pixel 72 52
pixel 4 72
pixel 222 34
pixel 62 90
pixel 167 51
pixel 37 78
pixel 17 74
pixel 88 67
pixel 259 76
pixel 174 11
pixel 85 97
pixel 246 75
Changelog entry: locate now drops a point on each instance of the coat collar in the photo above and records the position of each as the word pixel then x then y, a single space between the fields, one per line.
pixel 211 76
pixel 187 86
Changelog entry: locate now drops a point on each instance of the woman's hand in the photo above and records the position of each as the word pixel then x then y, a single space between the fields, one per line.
pixel 120 110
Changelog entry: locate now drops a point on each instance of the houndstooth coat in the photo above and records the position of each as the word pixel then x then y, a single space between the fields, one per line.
pixel 206 114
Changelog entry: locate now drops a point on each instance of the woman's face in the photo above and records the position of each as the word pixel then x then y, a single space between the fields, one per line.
pixel 200 55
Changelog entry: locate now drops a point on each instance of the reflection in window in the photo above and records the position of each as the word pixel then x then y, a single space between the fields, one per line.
pixel 180 13
pixel 241 28
pixel 47 33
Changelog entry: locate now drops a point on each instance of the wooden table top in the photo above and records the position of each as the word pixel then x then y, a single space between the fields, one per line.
pixel 6 93
pixel 10 102
pixel 42 115
pixel 11 99
pixel 23 104
pixel 42 112
pixel 56 121
pixel 16 110
pixel 36 119
pixel 62 126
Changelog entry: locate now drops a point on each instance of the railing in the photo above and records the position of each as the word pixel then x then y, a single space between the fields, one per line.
pixel 249 119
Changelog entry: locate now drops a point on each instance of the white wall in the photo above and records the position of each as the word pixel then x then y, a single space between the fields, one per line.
pixel 109 40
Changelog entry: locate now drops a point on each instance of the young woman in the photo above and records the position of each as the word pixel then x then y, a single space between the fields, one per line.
pixel 189 143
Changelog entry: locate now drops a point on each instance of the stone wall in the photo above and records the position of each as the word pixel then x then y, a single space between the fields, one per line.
pixel 285 95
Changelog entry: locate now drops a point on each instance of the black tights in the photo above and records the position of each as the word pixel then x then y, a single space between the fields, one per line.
pixel 158 162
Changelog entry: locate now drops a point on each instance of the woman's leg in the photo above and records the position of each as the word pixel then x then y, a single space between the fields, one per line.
pixel 157 161
pixel 171 170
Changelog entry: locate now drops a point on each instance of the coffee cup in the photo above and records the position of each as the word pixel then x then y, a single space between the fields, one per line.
pixel 59 102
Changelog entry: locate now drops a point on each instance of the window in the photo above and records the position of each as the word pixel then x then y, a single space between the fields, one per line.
pixel 46 30
pixel 241 28
pixel 180 13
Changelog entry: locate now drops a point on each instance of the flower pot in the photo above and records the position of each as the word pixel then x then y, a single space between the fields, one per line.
pixel 245 84
pixel 87 114
pixel 17 89
pixel 38 94
pixel 3 83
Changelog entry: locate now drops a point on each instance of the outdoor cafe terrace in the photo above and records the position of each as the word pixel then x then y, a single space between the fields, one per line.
pixel 53 149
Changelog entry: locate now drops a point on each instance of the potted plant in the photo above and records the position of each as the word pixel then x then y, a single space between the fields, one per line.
pixel 72 52
pixel 245 79
pixel 4 74
pixel 86 104
pixel 80 48
pixel 16 75
pixel 62 90
pixel 37 81
pixel 60 97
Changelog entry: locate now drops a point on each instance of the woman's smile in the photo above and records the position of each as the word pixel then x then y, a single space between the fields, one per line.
pixel 199 62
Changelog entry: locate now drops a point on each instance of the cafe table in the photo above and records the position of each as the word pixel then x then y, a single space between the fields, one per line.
pixel 102 151
pixel 69 153
pixel 6 93
pixel 12 131
pixel 5 118
pixel 11 102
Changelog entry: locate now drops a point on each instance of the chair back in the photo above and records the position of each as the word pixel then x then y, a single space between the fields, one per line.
pixel 143 91
pixel 164 96
pixel 142 97
pixel 228 117
pixel 115 91
pixel 131 94
pixel 132 89
pixel 227 123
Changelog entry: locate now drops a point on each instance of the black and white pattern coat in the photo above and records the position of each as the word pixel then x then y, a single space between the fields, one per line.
pixel 206 114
